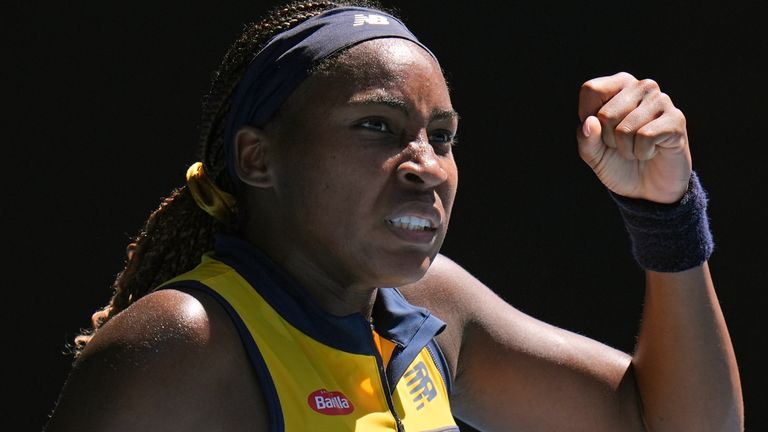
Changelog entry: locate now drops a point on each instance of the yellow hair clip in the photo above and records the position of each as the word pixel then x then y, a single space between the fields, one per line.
pixel 215 202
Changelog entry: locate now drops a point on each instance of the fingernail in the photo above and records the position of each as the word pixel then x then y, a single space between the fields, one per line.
pixel 585 129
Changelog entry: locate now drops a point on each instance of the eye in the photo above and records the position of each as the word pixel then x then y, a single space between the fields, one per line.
pixel 375 125
pixel 442 139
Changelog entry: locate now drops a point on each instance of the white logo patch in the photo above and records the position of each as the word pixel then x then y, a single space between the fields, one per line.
pixel 372 19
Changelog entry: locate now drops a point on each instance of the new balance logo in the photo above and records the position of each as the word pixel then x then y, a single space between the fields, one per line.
pixel 372 19
pixel 330 402
pixel 423 389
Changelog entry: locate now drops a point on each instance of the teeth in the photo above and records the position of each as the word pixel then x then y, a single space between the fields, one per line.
pixel 411 223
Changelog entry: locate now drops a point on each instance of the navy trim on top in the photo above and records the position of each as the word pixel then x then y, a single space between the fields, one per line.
pixel 349 333
pixel 401 359
pixel 410 327
pixel 276 420
pixel 442 364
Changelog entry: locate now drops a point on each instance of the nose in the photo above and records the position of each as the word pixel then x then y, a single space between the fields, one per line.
pixel 421 167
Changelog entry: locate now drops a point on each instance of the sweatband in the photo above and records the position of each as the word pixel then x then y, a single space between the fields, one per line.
pixel 669 237
pixel 286 60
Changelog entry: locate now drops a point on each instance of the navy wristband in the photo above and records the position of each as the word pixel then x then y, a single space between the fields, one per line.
pixel 668 237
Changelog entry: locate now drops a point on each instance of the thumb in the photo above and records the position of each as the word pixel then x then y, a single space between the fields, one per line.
pixel 591 146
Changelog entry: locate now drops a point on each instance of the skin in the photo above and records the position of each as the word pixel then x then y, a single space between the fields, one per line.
pixel 377 134
pixel 329 176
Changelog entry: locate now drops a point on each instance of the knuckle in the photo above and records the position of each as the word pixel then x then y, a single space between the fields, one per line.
pixel 588 87
pixel 624 130
pixel 677 113
pixel 663 102
pixel 607 116
pixel 678 118
pixel 626 76
pixel 665 99
pixel 648 85
pixel 646 135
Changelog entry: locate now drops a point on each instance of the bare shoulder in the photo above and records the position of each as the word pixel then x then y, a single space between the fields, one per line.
pixel 171 361
pixel 445 282
pixel 455 296
pixel 452 293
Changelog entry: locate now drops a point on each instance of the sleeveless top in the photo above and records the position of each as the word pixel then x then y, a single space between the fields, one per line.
pixel 320 372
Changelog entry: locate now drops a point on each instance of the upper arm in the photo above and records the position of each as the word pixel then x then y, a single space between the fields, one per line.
pixel 159 365
pixel 513 371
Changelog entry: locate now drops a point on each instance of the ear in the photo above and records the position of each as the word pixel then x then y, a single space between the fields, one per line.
pixel 251 162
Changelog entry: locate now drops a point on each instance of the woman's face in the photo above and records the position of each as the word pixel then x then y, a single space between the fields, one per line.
pixel 362 168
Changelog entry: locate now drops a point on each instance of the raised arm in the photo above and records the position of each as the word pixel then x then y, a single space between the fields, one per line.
pixel 513 372
pixel 684 362
pixel 636 141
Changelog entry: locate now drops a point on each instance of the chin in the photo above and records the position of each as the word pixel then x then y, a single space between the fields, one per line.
pixel 403 272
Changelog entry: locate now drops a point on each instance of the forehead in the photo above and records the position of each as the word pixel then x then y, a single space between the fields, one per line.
pixel 389 61
pixel 384 56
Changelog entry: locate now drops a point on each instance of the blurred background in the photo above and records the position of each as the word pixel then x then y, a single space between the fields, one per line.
pixel 100 122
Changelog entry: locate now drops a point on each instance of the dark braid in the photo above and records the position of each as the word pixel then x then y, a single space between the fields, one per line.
pixel 178 232
pixel 172 242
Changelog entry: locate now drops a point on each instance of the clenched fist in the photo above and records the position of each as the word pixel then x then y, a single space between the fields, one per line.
pixel 634 138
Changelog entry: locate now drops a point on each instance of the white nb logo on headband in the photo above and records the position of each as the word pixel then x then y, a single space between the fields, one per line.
pixel 373 19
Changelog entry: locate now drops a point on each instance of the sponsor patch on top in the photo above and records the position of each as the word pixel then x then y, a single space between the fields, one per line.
pixel 330 402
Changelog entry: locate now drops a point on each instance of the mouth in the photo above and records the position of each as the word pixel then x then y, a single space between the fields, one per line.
pixel 412 223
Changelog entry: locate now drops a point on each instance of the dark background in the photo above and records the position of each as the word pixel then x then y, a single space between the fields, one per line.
pixel 102 102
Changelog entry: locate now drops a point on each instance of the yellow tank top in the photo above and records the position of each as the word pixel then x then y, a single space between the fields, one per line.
pixel 320 372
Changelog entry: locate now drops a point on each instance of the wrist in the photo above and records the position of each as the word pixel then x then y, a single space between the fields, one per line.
pixel 668 237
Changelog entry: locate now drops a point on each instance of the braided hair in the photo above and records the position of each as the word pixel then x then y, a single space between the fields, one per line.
pixel 178 232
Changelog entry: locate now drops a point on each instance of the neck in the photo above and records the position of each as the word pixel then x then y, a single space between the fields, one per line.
pixel 332 287
pixel 334 293
pixel 339 299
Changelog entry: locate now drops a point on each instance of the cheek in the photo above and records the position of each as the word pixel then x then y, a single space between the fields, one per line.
pixel 325 187
pixel 451 184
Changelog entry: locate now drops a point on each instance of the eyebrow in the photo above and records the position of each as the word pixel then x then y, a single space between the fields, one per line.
pixel 401 105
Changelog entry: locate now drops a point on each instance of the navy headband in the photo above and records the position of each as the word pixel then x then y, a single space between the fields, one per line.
pixel 285 61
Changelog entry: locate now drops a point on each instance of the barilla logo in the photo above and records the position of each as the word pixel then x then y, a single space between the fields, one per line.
pixel 373 19
pixel 330 402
